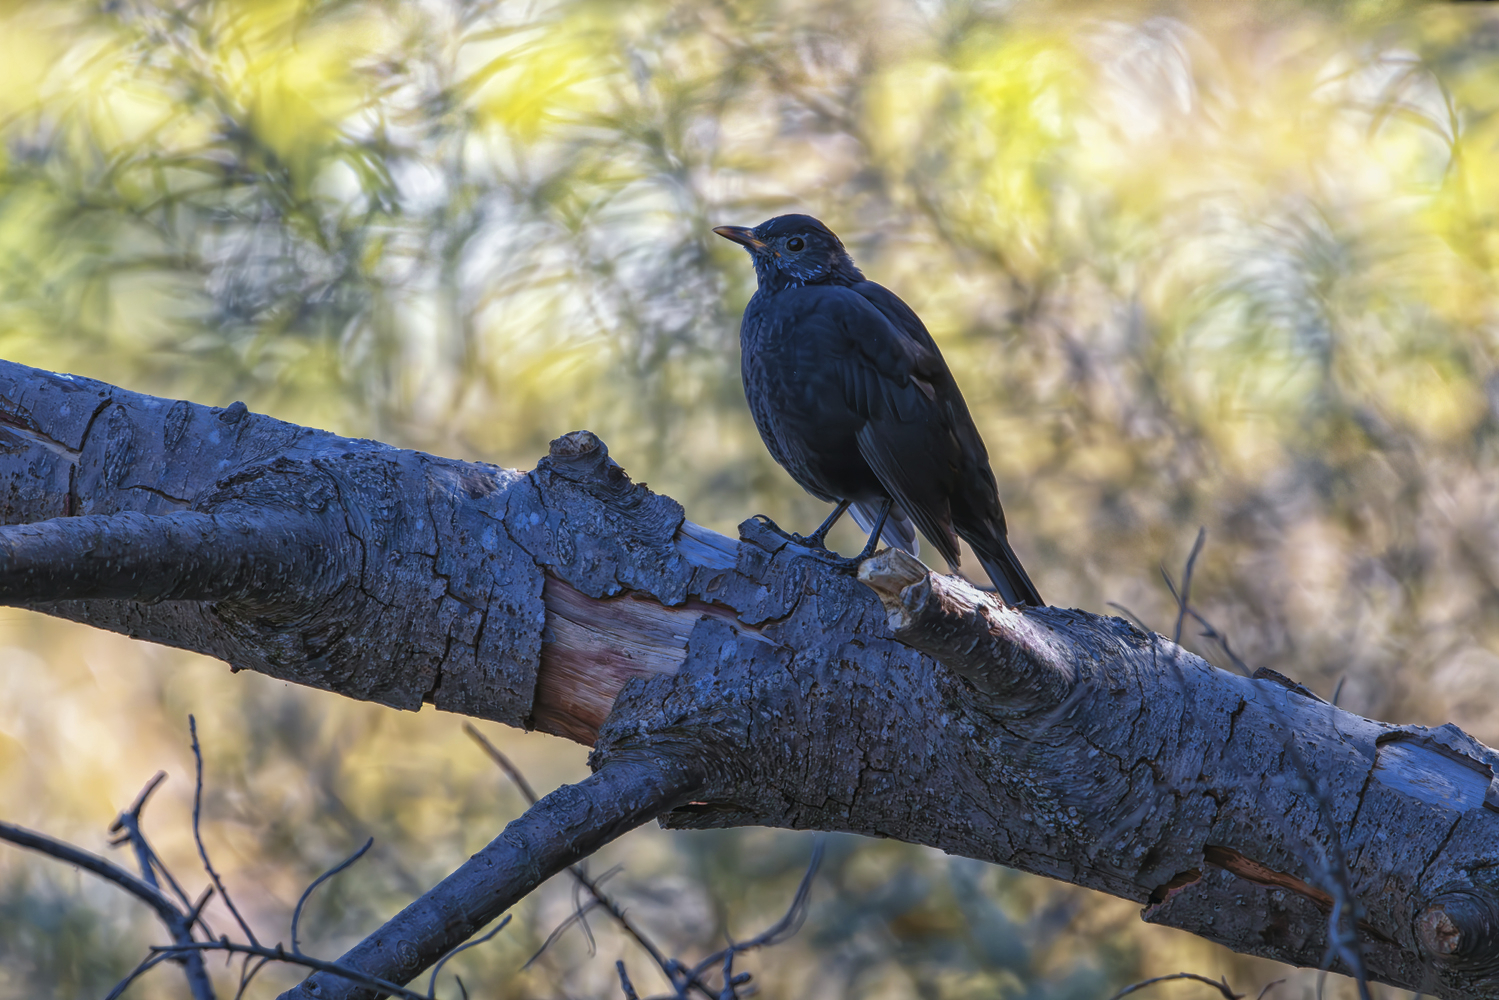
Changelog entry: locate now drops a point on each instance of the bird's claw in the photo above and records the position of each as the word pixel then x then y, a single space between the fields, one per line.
pixel 817 545
pixel 807 541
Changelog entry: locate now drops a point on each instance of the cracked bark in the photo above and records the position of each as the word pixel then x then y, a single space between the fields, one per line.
pixel 730 682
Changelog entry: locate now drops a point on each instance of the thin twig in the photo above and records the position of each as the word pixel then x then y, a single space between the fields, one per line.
pixel 129 820
pixel 1220 985
pixel 432 984
pixel 192 726
pixel 146 965
pixel 1268 987
pixel 280 954
pixel 1209 632
pixel 728 992
pixel 248 974
pixel 624 981
pixel 558 931
pixel 1130 615
pixel 505 763
pixel 782 929
pixel 580 915
pixel 296 916
pixel 146 857
pixel 1185 599
pixel 103 867
pixel 195 915
pixel 179 924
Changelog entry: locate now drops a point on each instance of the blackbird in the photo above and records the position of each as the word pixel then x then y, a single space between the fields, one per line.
pixel 853 399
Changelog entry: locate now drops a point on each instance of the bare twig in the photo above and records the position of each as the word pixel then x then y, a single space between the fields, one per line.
pixel 104 868
pixel 248 974
pixel 782 929
pixel 1209 632
pixel 296 916
pixel 130 821
pixel 624 981
pixel 147 964
pixel 150 864
pixel 192 725
pixel 558 931
pixel 179 923
pixel 181 920
pixel 1268 987
pixel 505 763
pixel 1130 615
pixel 1220 985
pixel 280 954
pixel 1184 600
pixel 432 983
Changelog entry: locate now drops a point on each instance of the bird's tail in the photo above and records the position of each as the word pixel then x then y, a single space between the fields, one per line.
pixel 898 533
pixel 1004 569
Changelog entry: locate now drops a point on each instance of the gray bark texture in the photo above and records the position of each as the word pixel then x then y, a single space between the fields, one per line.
pixel 728 682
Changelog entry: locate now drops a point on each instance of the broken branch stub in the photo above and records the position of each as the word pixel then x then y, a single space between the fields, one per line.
pixel 1002 652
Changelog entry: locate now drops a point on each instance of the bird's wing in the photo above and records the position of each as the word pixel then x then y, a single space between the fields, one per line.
pixel 931 366
pixel 910 469
pixel 900 315
pixel 972 496
pixel 898 387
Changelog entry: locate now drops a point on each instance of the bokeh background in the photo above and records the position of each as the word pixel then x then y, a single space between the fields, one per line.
pixel 1228 265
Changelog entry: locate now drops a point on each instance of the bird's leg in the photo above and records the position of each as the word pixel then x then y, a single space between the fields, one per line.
pixel 815 540
pixel 874 536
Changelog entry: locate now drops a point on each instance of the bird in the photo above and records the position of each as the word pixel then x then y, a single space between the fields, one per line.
pixel 854 400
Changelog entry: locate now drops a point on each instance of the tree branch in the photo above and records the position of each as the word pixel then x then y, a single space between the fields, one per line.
pixel 88 861
pixel 179 923
pixel 151 558
pixel 570 599
pixel 558 831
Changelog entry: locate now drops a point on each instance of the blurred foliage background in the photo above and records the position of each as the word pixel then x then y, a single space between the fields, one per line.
pixel 1226 264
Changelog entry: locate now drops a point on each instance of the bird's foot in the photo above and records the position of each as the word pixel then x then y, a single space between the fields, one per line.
pixel 817 547
pixel 851 565
pixel 808 541
pixel 815 544
pixel 845 564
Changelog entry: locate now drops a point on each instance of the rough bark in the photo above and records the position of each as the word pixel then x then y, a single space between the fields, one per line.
pixel 747 682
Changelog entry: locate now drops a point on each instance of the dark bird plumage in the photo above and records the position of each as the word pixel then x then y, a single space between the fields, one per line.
pixel 854 400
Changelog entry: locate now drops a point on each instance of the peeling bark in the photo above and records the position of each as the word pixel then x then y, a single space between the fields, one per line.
pixel 746 682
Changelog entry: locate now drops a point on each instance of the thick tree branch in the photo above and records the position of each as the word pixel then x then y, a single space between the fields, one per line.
pixel 570 599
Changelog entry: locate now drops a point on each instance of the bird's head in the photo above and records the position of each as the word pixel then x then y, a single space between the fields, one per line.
pixel 794 250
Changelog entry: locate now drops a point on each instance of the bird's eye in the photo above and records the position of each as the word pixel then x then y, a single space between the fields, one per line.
pixel 794 244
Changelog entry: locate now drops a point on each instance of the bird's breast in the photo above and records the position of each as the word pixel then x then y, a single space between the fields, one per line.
pixel 793 385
